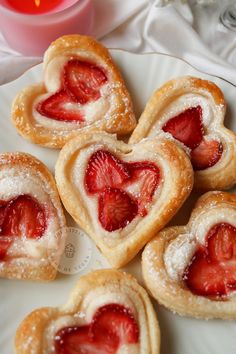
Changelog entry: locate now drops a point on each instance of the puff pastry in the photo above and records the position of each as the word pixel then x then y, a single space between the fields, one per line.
pixel 191 111
pixel 191 269
pixel 32 223
pixel 120 194
pixel 108 312
pixel 82 89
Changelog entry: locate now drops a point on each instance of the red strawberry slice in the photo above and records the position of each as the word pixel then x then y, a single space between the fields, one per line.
pixel 104 170
pixel 206 154
pixel 21 216
pixel 59 106
pixel 116 209
pixel 5 243
pixel 2 212
pixel 75 340
pixel 115 321
pixel 147 176
pixel 222 243
pixel 212 270
pixel 112 326
pixel 204 278
pixel 83 80
pixel 112 178
pixel 186 127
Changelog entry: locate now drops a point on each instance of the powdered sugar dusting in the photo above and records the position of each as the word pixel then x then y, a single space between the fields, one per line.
pixel 178 255
pixel 112 293
pixel 26 181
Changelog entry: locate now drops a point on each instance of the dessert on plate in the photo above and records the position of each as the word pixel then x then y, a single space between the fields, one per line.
pixel 108 312
pixel 82 89
pixel 122 194
pixel 191 111
pixel 32 223
pixel 192 269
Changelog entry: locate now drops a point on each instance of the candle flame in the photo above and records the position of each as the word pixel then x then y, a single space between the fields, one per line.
pixel 37 2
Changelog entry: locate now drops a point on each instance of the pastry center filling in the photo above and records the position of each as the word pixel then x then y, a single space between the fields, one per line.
pixel 20 217
pixel 124 189
pixel 187 127
pixel 212 269
pixel 112 326
pixel 80 84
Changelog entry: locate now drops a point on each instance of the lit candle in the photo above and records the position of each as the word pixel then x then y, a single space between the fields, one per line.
pixel 34 6
pixel 29 26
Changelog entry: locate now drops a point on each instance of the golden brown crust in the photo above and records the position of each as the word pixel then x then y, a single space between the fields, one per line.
pixel 22 267
pixel 121 118
pixel 174 294
pixel 223 174
pixel 30 335
pixel 177 175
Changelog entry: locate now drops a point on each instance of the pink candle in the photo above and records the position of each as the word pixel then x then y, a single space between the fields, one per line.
pixel 35 6
pixel 29 26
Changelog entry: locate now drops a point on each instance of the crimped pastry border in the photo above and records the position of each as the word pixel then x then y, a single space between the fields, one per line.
pixel 158 216
pixel 32 327
pixel 19 269
pixel 171 294
pixel 122 121
pixel 221 176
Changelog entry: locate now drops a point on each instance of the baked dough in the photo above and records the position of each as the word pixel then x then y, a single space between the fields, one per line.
pixel 36 334
pixel 175 97
pixel 32 223
pixel 90 65
pixel 175 179
pixel 166 257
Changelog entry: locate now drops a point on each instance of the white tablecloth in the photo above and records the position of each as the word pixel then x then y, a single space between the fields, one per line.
pixel 149 26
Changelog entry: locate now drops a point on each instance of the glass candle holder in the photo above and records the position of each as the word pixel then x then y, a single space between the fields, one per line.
pixel 31 34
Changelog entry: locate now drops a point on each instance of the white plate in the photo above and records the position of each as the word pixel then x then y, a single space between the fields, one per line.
pixel 143 74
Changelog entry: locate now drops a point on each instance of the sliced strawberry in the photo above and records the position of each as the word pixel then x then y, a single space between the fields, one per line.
pixel 112 326
pixel 74 340
pixel 2 212
pixel 186 127
pixel 116 209
pixel 24 217
pixel 222 243
pixel 5 243
pixel 83 80
pixel 59 106
pixel 212 270
pixel 115 321
pixel 206 154
pixel 147 177
pixel 111 179
pixel 204 278
pixel 21 216
pixel 104 170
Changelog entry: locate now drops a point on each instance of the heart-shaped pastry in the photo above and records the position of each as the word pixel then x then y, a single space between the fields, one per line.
pixel 191 111
pixel 192 269
pixel 107 313
pixel 82 89
pixel 32 223
pixel 121 194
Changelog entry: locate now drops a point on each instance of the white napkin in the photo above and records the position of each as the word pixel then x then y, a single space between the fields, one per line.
pixel 165 30
pixel 139 26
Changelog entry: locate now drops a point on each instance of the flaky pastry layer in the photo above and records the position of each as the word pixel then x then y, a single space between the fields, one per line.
pixel 34 335
pixel 163 273
pixel 34 263
pixel 117 118
pixel 176 183
pixel 222 175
